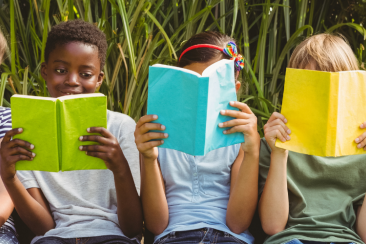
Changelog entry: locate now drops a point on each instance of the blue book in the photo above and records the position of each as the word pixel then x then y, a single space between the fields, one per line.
pixel 189 105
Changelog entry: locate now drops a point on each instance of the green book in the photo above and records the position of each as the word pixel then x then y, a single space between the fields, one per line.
pixel 54 125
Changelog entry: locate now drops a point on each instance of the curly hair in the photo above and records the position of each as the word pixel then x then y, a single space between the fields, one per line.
pixel 77 31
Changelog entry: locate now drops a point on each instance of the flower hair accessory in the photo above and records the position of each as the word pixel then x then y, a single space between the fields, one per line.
pixel 232 52
pixel 229 50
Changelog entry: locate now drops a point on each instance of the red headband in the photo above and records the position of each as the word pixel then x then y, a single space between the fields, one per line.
pixel 199 46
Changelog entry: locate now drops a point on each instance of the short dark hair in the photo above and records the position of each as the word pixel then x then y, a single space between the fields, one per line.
pixel 202 55
pixel 77 31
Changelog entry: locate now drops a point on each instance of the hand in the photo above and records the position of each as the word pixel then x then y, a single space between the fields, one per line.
pixel 13 151
pixel 245 122
pixel 108 149
pixel 361 140
pixel 276 128
pixel 143 136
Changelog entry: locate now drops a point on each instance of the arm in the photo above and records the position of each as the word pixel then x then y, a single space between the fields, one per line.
pixel 361 222
pixel 128 202
pixel 244 173
pixel 31 205
pixel 274 203
pixel 7 205
pixel 152 185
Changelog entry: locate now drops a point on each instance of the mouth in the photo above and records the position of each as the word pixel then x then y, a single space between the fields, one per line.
pixel 70 93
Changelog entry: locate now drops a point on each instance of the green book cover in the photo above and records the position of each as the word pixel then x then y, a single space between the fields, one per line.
pixel 54 125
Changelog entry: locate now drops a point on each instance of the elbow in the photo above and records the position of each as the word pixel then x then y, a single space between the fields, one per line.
pixel 237 226
pixel 131 233
pixel 156 229
pixel 272 229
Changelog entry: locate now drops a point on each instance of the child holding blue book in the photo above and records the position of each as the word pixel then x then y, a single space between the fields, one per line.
pixel 308 199
pixel 93 206
pixel 201 199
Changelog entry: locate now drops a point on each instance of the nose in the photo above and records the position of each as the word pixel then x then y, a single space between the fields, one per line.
pixel 72 80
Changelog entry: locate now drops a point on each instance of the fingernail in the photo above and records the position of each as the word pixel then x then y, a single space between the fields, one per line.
pixel 224 132
pixel 232 103
pixel 221 124
pixel 155 116
pixel 361 126
pixel 288 131
pixel 163 127
pixel 165 135
pixel 81 148
pixel 80 138
pixel 288 138
pixel 86 153
pixel 359 146
pixel 222 111
pixel 357 140
pixel 31 146
pixel 20 130
pixel 88 130
pixel 285 120
pixel 162 142
pixel 33 155
pixel 283 140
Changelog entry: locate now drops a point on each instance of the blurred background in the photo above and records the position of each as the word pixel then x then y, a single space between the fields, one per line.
pixel 144 32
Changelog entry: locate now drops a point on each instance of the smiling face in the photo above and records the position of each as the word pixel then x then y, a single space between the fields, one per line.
pixel 72 68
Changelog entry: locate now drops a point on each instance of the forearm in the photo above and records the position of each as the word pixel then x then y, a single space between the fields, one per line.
pixel 274 204
pixel 34 215
pixel 6 206
pixel 244 195
pixel 129 208
pixel 361 222
pixel 153 198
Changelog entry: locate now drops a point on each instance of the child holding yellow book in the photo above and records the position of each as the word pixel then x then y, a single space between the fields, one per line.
pixel 310 199
pixel 93 206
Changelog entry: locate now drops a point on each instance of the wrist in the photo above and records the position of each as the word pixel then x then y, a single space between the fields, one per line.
pixel 8 179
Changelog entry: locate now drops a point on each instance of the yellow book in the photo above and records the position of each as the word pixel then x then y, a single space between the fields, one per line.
pixel 324 111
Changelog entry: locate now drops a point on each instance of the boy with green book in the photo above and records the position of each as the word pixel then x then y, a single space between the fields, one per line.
pixel 97 206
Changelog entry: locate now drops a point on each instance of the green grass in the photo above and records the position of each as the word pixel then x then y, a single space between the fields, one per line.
pixel 144 32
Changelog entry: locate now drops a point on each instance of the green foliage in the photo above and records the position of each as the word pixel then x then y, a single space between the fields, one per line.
pixel 144 32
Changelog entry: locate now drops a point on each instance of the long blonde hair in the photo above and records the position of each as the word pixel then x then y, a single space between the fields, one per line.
pixel 327 52
pixel 3 46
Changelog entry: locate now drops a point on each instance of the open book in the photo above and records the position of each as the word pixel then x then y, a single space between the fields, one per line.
pixel 54 125
pixel 189 105
pixel 324 111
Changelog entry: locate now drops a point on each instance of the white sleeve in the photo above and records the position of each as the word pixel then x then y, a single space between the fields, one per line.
pixel 27 178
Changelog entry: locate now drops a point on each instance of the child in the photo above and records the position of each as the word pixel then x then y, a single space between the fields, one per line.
pixel 7 229
pixel 207 198
pixel 93 206
pixel 310 199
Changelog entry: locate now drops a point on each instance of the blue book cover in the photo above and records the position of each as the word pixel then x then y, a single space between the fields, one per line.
pixel 189 105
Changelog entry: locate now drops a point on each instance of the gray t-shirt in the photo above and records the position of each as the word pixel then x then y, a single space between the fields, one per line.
pixel 83 203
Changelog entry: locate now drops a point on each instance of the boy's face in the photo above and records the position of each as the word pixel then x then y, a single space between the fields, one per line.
pixel 72 68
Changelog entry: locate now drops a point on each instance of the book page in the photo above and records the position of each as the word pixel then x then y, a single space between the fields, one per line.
pixel 215 66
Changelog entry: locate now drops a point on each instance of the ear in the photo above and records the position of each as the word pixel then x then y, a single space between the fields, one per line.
pixel 44 70
pixel 237 85
pixel 100 79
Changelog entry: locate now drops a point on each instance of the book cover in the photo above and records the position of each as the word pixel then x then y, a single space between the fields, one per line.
pixel 189 105
pixel 54 125
pixel 324 111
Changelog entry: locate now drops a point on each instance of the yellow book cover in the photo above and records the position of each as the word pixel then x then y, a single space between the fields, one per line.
pixel 324 111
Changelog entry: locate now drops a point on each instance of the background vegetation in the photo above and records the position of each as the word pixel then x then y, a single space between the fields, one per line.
pixel 144 32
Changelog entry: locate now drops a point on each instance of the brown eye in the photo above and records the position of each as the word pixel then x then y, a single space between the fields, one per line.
pixel 86 75
pixel 61 71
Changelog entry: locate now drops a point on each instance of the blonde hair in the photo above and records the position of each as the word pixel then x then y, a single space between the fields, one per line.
pixel 3 46
pixel 327 52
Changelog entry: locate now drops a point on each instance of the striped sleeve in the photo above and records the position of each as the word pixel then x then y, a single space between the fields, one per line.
pixel 5 121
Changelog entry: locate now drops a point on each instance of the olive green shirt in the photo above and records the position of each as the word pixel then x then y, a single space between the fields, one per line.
pixel 324 193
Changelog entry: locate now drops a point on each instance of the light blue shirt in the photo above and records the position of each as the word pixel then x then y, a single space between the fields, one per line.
pixel 197 189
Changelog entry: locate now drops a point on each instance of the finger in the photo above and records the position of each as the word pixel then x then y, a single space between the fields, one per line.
pixel 278 122
pixel 235 114
pixel 148 145
pixel 21 151
pixel 361 140
pixel 276 115
pixel 11 133
pixel 19 157
pixel 146 119
pixel 242 106
pixel 234 122
pixel 94 148
pixel 280 130
pixel 101 155
pixel 238 128
pixel 363 125
pixel 103 131
pixel 153 135
pixel 20 143
pixel 151 126
pixel 100 139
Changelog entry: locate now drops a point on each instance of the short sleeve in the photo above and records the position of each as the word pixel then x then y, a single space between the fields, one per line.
pixel 28 179
pixel 264 162
pixel 127 142
pixel 5 121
